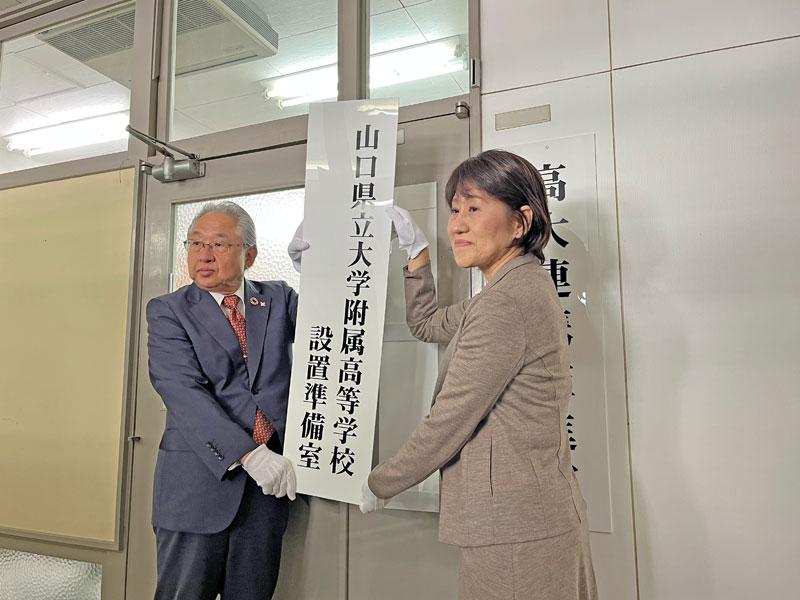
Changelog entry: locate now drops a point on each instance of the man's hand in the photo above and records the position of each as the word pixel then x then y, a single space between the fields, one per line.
pixel 409 235
pixel 296 247
pixel 273 472
pixel 369 501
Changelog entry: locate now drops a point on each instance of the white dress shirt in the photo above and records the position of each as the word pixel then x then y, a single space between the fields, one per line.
pixel 241 307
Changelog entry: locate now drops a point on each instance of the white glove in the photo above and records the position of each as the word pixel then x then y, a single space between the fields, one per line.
pixel 369 501
pixel 297 246
pixel 409 235
pixel 272 471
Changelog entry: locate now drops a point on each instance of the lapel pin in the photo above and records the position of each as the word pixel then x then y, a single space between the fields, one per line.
pixel 254 302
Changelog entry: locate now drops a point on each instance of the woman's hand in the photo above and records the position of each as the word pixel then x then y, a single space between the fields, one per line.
pixel 296 247
pixel 409 235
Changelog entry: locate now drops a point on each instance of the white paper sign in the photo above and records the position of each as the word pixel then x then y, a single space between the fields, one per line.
pixel 337 352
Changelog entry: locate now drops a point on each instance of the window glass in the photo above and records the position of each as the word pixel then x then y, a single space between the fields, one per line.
pixel 65 91
pixel 276 216
pixel 418 49
pixel 241 62
pixel 35 576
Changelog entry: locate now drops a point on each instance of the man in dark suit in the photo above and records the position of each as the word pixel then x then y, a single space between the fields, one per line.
pixel 220 357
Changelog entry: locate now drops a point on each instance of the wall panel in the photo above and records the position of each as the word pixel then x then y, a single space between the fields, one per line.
pixel 523 43
pixel 65 256
pixel 648 30
pixel 708 185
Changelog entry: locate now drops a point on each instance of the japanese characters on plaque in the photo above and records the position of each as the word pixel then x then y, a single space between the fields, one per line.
pixel 339 333
pixel 573 258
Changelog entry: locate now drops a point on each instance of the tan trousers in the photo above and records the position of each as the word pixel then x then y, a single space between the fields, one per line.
pixel 557 568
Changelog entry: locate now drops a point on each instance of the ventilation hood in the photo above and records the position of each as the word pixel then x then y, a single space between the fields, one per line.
pixel 210 34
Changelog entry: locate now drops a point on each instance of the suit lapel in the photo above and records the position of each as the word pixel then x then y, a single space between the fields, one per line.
pixel 210 314
pixel 257 316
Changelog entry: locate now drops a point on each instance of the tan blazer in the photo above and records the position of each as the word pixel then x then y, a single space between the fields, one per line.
pixel 497 426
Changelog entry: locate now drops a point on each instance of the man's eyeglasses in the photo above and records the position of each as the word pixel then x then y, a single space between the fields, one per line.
pixel 216 247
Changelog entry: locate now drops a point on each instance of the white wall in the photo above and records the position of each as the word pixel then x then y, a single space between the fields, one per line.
pixel 700 118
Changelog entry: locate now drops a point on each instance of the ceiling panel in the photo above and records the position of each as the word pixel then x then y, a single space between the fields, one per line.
pixel 306 51
pixel 294 17
pixel 218 84
pixel 40 85
pixel 22 43
pixel 16 118
pixel 184 126
pixel 377 7
pixel 391 30
pixel 20 80
pixel 237 112
pixel 55 61
pixel 76 104
pixel 440 18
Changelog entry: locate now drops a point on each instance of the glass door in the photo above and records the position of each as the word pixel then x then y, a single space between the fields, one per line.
pixel 331 551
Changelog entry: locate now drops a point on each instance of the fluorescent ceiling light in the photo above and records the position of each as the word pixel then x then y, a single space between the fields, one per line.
pixel 74 134
pixel 411 63
pixel 306 86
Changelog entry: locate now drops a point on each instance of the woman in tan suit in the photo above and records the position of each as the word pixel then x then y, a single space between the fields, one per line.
pixel 496 430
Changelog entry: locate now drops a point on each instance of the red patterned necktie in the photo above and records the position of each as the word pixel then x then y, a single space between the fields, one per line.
pixel 262 428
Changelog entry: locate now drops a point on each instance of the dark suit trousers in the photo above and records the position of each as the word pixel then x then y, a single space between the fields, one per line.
pixel 240 562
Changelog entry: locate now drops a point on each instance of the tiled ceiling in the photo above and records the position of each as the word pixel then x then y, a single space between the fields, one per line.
pixel 220 99
pixel 40 85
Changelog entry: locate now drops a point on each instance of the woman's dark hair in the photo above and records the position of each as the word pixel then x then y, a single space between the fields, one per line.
pixel 514 181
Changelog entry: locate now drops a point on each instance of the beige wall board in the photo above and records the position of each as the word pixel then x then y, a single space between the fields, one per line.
pixel 578 107
pixel 708 180
pixel 648 30
pixel 65 256
pixel 528 42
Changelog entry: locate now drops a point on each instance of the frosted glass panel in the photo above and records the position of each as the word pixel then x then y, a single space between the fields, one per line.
pixel 26 576
pixel 276 215
pixel 65 256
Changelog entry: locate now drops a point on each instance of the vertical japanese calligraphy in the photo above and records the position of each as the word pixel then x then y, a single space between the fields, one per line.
pixel 333 397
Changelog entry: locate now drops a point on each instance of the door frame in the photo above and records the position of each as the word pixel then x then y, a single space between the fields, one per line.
pixel 271 168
